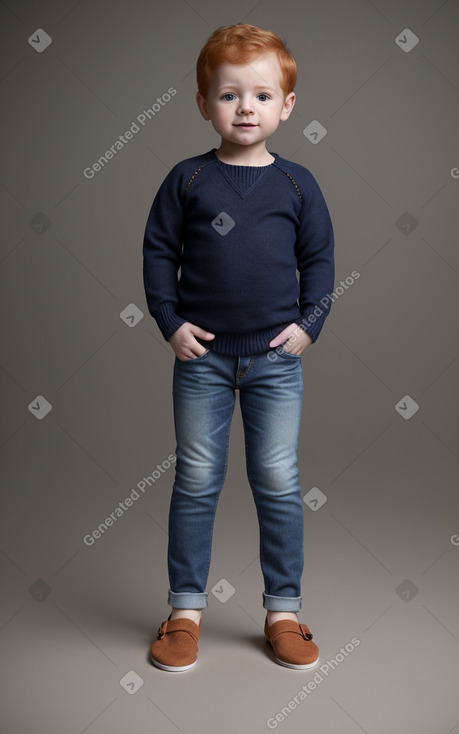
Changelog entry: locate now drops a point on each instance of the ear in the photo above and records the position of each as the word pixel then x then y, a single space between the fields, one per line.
pixel 289 103
pixel 202 104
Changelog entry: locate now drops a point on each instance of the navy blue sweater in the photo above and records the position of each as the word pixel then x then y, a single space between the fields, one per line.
pixel 222 248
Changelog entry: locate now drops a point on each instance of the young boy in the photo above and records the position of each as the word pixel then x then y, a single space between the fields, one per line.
pixel 239 222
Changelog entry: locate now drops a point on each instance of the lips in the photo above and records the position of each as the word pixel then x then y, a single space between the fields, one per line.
pixel 246 124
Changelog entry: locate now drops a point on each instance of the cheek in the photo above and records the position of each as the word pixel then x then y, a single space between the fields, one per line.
pixel 274 117
pixel 222 115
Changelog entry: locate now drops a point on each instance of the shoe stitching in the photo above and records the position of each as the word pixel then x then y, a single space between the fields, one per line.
pixel 163 631
pixel 303 631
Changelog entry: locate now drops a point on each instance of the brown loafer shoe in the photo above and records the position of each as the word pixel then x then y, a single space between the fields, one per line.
pixel 176 646
pixel 292 644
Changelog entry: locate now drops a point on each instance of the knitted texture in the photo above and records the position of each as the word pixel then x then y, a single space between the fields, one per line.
pixel 241 251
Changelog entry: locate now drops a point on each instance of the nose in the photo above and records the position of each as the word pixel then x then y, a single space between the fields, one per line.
pixel 245 106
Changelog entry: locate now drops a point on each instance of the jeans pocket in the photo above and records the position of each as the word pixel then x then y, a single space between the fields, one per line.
pixel 196 359
pixel 282 353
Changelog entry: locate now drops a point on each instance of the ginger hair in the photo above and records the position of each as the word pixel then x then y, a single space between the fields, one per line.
pixel 240 44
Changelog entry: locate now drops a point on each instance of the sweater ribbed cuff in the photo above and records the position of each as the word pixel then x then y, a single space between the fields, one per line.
pixel 167 320
pixel 312 321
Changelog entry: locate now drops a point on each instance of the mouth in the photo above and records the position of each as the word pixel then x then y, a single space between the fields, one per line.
pixel 246 124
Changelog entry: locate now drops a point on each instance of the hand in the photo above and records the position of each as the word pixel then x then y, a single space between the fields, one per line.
pixel 296 339
pixel 185 345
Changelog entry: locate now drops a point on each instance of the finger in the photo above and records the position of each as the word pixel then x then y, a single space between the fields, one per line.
pixel 193 351
pixel 202 333
pixel 280 338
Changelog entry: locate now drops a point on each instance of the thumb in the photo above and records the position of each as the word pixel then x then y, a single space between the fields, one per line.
pixel 197 331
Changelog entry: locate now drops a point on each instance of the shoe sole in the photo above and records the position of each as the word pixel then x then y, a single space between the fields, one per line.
pixel 296 667
pixel 293 666
pixel 172 668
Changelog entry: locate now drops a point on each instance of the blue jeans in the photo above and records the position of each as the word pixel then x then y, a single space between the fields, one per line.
pixel 270 387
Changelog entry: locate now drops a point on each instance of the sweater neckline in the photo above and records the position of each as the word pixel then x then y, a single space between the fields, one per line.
pixel 235 165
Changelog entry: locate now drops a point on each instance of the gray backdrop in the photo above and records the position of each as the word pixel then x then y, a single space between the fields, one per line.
pixel 86 376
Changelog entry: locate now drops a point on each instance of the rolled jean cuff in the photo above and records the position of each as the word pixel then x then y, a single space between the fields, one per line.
pixel 187 600
pixel 281 603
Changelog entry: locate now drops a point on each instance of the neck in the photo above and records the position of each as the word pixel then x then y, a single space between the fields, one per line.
pixel 244 155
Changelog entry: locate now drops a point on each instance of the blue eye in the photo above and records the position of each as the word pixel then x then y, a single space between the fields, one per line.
pixel 266 97
pixel 228 94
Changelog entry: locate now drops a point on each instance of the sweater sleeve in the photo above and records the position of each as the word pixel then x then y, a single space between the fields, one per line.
pixel 162 250
pixel 315 257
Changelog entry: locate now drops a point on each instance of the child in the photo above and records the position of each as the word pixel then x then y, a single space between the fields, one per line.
pixel 239 222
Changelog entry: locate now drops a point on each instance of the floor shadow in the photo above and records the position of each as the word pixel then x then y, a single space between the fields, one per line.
pixel 258 642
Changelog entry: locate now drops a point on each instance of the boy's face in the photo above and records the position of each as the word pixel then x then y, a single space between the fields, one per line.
pixel 249 93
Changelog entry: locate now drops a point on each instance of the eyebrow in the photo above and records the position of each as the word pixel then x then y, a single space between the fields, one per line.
pixel 233 86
